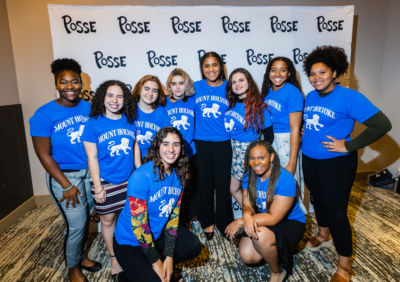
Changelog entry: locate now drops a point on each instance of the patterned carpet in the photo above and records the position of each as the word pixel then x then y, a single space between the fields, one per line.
pixel 32 249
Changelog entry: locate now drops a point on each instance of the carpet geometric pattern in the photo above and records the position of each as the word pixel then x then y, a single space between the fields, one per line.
pixel 32 249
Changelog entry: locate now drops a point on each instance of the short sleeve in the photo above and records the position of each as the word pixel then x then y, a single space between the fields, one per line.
pixel 295 101
pixel 360 108
pixel 267 119
pixel 89 133
pixel 40 125
pixel 286 185
pixel 138 185
pixel 245 181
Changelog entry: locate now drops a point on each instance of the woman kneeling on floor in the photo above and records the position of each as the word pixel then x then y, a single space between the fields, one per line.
pixel 148 224
pixel 272 219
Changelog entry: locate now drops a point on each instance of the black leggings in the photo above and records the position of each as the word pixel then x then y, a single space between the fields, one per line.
pixel 137 267
pixel 213 163
pixel 330 182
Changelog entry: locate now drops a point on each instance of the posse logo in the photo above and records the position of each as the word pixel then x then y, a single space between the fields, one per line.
pixel 132 26
pixel 283 26
pixel 298 56
pixel 109 61
pixel 259 58
pixel 234 26
pixel 201 52
pixel 78 26
pixel 185 26
pixel 329 25
pixel 162 60
pixel 86 95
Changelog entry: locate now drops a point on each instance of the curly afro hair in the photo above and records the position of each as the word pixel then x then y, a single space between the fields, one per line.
pixel 60 65
pixel 98 108
pixel 334 57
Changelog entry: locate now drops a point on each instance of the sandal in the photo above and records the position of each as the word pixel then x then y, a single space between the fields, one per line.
pixel 319 242
pixel 339 278
pixel 282 271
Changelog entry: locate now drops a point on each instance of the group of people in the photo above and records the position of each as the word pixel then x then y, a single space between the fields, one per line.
pixel 161 157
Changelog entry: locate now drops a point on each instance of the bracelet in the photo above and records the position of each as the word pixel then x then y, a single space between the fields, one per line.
pixel 66 189
pixel 102 188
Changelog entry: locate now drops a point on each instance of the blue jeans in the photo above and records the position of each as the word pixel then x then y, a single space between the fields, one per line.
pixel 76 219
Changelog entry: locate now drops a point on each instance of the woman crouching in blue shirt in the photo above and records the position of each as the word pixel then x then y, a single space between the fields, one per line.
pixel 272 218
pixel 147 236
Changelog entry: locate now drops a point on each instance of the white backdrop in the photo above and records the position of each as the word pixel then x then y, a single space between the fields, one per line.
pixel 127 42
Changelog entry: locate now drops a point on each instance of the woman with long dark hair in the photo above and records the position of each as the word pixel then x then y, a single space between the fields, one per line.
pixel 56 128
pixel 272 220
pixel 147 237
pixel 110 143
pixel 282 93
pixel 214 150
pixel 247 117
pixel 329 153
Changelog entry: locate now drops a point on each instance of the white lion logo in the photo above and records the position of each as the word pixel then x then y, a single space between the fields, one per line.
pixel 314 121
pixel 144 138
pixel 166 209
pixel 229 126
pixel 177 123
pixel 75 135
pixel 213 110
pixel 124 146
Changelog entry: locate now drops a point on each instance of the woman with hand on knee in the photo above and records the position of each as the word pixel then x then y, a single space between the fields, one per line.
pixel 272 219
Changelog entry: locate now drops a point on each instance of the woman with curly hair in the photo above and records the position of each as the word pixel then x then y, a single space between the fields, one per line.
pixel 149 95
pixel 329 153
pixel 110 143
pixel 147 238
pixel 56 128
pixel 273 221
pixel 282 93
pixel 246 118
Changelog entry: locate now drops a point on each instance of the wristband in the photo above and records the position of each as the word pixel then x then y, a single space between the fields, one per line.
pixel 66 189
pixel 102 188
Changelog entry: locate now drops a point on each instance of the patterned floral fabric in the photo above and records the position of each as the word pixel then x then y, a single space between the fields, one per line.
pixel 238 152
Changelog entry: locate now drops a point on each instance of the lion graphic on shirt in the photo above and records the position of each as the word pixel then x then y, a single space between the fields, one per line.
pixel 165 208
pixel 213 110
pixel 75 135
pixel 314 121
pixel 177 123
pixel 124 146
pixel 141 138
pixel 229 125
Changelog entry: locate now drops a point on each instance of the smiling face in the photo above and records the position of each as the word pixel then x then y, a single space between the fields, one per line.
pixel 260 161
pixel 149 93
pixel 69 86
pixel 322 78
pixel 211 69
pixel 170 149
pixel 178 87
pixel 114 100
pixel 278 74
pixel 240 84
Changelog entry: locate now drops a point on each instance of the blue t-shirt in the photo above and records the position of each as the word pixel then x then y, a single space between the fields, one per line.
pixel 147 126
pixel 181 116
pixel 288 99
pixel 64 126
pixel 115 140
pixel 285 186
pixel 210 107
pixel 161 196
pixel 234 122
pixel 333 115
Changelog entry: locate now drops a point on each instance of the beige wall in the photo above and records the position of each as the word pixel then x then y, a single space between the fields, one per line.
pixel 8 80
pixel 376 39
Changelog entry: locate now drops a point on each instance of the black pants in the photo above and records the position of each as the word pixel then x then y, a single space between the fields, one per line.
pixel 213 163
pixel 137 267
pixel 330 182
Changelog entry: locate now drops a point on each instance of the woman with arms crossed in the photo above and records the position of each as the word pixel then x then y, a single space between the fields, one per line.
pixel 56 128
pixel 148 224
pixel 109 140
pixel 246 118
pixel 272 218
pixel 329 154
